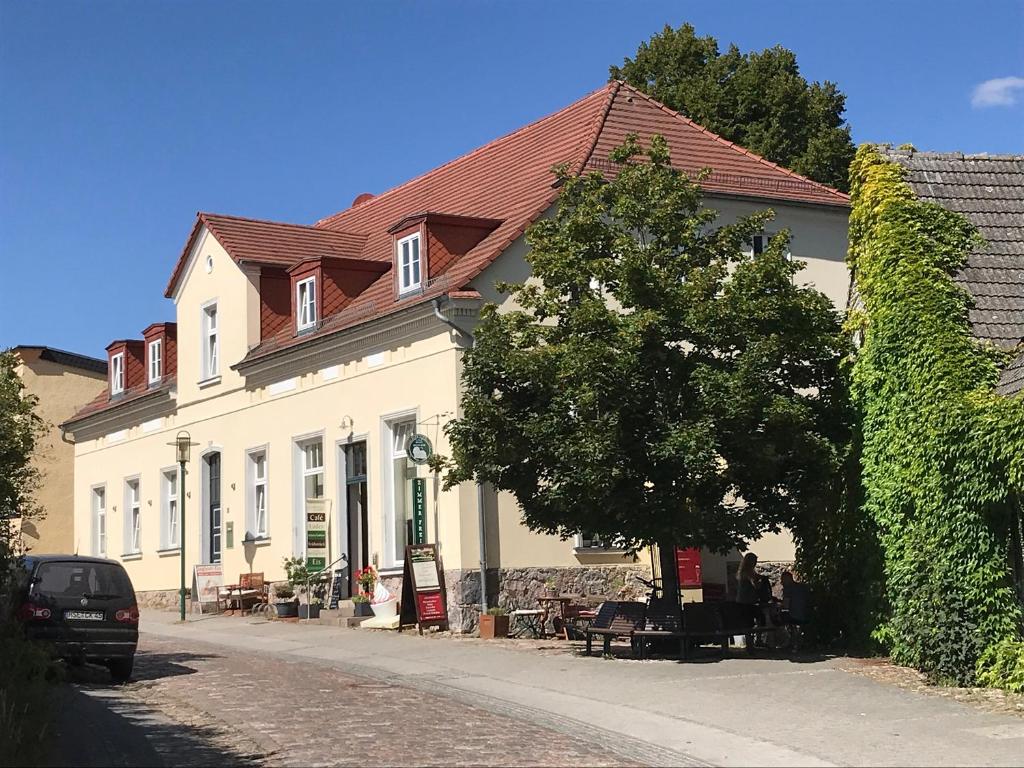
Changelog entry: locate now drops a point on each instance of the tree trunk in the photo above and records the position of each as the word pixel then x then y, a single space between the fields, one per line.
pixel 669 570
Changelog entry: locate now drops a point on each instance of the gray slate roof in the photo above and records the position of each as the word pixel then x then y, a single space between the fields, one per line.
pixel 989 191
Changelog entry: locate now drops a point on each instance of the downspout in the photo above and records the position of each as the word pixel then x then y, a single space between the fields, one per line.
pixel 481 519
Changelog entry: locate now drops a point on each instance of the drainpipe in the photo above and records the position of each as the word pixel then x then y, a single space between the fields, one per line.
pixel 481 520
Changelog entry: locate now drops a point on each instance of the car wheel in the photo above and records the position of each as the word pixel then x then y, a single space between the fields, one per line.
pixel 121 669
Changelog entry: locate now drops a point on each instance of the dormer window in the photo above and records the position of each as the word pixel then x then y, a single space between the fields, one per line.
pixel 305 303
pixel 117 374
pixel 156 361
pixel 409 272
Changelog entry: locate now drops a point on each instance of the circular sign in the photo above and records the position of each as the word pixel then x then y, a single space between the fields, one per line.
pixel 418 449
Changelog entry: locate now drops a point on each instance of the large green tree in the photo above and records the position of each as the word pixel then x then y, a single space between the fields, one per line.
pixel 660 383
pixel 758 100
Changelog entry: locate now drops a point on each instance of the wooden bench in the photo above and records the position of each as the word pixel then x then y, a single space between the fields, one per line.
pixel 616 619
pixel 664 620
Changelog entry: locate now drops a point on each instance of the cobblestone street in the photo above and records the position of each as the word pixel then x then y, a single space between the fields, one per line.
pixel 207 706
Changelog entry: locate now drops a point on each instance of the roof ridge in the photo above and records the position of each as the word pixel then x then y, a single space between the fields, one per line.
pixel 307 227
pixel 734 145
pixel 488 145
pixel 595 135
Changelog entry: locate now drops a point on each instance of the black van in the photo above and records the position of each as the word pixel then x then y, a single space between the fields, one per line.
pixel 84 607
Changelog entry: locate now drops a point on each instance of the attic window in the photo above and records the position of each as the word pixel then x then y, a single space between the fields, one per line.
pixel 305 303
pixel 156 361
pixel 408 255
pixel 117 374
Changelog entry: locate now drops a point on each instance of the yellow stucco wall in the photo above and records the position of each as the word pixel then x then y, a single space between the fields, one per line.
pixel 61 390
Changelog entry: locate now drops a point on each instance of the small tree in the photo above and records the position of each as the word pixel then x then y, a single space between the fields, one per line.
pixel 759 100
pixel 660 384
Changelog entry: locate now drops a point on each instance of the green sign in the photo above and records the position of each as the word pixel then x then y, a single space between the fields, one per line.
pixel 418 449
pixel 419 510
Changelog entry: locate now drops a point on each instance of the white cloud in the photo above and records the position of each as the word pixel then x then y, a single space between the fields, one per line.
pixel 998 92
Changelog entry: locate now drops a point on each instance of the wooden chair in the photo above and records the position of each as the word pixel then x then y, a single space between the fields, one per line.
pixel 252 588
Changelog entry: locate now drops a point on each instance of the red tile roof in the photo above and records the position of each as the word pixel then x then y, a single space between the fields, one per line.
pixel 508 181
pixel 267 242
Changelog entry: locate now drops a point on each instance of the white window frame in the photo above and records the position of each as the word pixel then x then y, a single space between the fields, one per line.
pixel 170 523
pixel 410 285
pixel 305 305
pixel 210 340
pixel 99 520
pixel 393 447
pixel 302 471
pixel 766 239
pixel 254 484
pixel 117 374
pixel 132 543
pixel 155 357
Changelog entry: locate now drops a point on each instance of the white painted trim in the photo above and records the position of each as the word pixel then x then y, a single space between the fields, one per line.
pixel 311 322
pixel 418 285
pixel 117 364
pixel 159 344
pixel 280 387
pixel 390 560
pixel 153 424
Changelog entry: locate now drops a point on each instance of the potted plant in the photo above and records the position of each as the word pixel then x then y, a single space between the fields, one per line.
pixel 367 578
pixel 285 601
pixel 494 623
pixel 311 610
pixel 549 586
pixel 384 606
pixel 361 603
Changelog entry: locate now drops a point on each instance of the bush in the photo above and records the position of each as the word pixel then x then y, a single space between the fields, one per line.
pixel 26 693
pixel 1002 666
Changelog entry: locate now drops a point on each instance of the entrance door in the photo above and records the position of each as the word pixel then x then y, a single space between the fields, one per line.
pixel 358 544
pixel 213 516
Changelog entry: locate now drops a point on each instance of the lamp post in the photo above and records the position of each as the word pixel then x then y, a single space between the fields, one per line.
pixel 183 447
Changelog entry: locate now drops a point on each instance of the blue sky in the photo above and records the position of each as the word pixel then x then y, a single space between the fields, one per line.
pixel 121 119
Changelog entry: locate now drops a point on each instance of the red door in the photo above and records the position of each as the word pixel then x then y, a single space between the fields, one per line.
pixel 688 567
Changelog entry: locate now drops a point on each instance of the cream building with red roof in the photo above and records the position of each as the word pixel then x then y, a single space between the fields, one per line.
pixel 303 357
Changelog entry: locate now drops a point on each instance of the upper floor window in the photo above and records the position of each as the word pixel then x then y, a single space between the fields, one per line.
pixel 117 373
pixel 305 303
pixel 409 278
pixel 210 350
pixel 759 244
pixel 156 361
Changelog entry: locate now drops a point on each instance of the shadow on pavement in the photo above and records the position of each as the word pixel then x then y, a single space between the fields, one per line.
pixel 148 666
pixel 97 726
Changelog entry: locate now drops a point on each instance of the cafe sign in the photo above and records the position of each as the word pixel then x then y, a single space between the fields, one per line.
pixel 316 535
pixel 418 449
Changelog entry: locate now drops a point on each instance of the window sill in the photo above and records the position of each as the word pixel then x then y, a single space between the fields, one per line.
pixel 259 541
pixel 598 551
pixel 394 570
pixel 131 556
pixel 208 382
pixel 405 293
pixel 169 551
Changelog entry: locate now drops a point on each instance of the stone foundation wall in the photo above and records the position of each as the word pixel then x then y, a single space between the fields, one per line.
pixel 160 600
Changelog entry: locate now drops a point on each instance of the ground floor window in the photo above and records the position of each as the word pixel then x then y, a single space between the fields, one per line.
pixel 99 518
pixel 169 509
pixel 132 518
pixel 401 471
pixel 257 496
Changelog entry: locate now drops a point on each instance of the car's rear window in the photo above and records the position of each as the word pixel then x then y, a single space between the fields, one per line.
pixel 104 580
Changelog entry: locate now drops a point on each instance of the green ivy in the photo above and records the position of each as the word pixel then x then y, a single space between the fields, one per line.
pixel 942 456
pixel 1002 666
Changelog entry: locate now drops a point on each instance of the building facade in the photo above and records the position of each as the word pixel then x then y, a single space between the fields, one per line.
pixel 302 358
pixel 63 382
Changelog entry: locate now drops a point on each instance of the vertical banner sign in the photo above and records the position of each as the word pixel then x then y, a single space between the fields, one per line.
pixel 316 534
pixel 419 510
pixel 424 599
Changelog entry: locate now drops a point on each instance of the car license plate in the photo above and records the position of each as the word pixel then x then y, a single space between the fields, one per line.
pixel 83 615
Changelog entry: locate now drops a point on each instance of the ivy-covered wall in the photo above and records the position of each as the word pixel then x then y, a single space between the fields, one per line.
pixel 942 456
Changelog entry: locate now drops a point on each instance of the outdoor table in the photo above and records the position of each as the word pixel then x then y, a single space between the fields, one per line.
pixel 529 620
pixel 549 604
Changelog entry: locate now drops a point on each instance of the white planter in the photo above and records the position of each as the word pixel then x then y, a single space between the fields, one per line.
pixel 390 608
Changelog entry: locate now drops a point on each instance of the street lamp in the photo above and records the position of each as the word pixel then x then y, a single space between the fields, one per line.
pixel 183 447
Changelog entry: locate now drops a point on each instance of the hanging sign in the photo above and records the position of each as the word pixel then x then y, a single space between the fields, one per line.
pixel 418 449
pixel 424 599
pixel 419 510
pixel 316 535
pixel 207 582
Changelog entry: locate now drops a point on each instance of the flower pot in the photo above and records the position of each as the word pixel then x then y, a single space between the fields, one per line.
pixel 493 626
pixel 390 608
pixel 362 609
pixel 309 611
pixel 288 610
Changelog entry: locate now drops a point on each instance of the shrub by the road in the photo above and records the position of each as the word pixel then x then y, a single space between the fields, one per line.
pixel 1002 666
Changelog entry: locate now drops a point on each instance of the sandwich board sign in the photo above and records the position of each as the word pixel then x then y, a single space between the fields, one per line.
pixel 424 598
pixel 207 582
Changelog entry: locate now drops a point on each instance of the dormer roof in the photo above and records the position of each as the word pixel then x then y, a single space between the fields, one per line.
pixel 272 243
